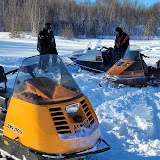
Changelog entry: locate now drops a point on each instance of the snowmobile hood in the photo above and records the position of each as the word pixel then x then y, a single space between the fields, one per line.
pixel 119 67
pixel 129 65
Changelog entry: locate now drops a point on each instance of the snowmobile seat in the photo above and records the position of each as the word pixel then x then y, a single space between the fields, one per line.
pixel 3 78
pixel 117 55
pixel 4 97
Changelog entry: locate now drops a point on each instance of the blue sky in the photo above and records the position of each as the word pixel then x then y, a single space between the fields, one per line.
pixel 145 2
pixel 148 2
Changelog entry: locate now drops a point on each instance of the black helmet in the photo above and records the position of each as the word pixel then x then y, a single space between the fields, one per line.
pixel 118 29
pixel 48 26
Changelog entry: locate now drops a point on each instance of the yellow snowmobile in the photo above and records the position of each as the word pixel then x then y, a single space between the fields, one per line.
pixel 45 115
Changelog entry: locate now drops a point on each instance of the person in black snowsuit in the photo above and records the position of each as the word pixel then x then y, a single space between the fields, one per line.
pixel 46 41
pixel 122 40
pixel 112 55
pixel 46 44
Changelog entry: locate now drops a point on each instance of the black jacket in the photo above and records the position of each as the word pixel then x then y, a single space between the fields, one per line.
pixel 121 41
pixel 46 42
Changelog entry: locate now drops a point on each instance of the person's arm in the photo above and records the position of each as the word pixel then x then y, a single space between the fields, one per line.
pixel 53 40
pixel 116 43
pixel 38 42
pixel 55 46
pixel 125 42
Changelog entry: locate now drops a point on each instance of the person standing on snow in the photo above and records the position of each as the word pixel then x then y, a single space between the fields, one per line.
pixel 122 40
pixel 46 44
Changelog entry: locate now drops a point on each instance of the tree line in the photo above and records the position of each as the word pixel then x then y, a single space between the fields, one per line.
pixel 83 20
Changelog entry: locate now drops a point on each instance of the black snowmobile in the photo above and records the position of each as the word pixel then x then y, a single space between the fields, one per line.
pixel 99 61
pixel 89 50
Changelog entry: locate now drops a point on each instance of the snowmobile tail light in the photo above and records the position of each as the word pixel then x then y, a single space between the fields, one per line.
pixel 98 58
pixel 72 108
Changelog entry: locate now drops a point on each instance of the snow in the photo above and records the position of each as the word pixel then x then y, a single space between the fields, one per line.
pixel 129 117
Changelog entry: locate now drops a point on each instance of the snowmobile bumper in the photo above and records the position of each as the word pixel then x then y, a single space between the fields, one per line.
pixel 132 81
pixel 80 154
pixel 25 153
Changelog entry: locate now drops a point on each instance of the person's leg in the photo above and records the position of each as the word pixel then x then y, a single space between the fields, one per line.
pixel 40 62
pixel 43 62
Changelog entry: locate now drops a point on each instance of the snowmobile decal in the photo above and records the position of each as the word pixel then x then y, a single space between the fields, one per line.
pixel 15 129
pixel 126 64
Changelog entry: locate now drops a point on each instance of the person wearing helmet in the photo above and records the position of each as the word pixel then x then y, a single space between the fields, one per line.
pixel 122 39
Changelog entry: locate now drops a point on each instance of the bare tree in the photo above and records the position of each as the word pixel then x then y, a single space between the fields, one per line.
pixel 85 19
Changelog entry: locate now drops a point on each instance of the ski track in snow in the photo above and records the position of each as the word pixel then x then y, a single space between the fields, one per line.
pixel 129 117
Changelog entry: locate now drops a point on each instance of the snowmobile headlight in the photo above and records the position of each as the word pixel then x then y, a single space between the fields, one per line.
pixel 72 108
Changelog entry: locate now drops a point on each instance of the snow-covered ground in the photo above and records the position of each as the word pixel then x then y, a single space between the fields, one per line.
pixel 129 117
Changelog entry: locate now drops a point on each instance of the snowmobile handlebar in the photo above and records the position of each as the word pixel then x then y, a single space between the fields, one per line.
pixel 107 48
pixel 142 55
pixel 13 71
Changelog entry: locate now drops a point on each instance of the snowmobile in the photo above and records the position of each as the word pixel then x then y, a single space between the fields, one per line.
pixel 45 115
pixel 88 50
pixel 133 71
pixel 99 59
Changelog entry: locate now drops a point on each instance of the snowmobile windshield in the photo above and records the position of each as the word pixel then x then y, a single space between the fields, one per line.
pixel 89 47
pixel 45 79
pixel 132 53
pixel 98 46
